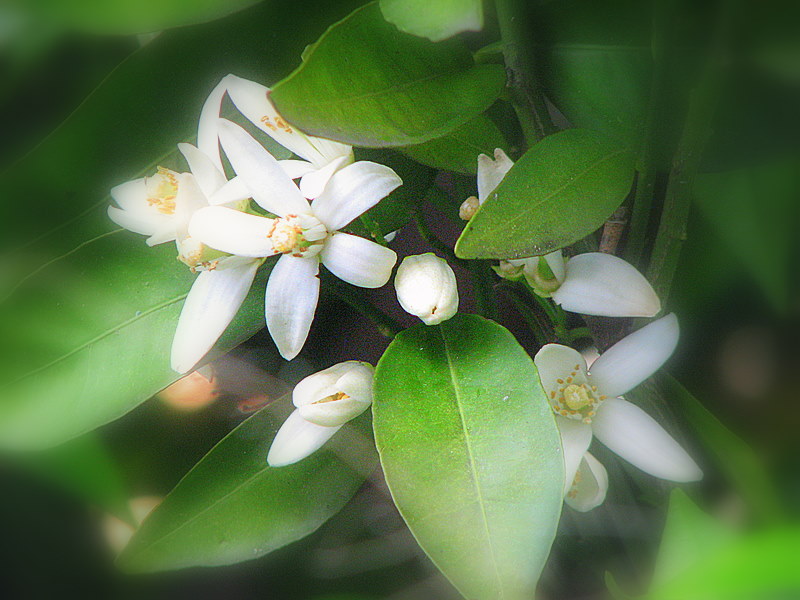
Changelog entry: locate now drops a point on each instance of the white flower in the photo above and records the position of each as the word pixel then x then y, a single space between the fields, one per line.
pixel 590 284
pixel 304 234
pixel 321 158
pixel 325 401
pixel 426 288
pixel 587 404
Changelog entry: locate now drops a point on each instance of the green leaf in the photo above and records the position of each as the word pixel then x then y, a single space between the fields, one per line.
pixel 233 507
pixel 471 453
pixel 434 19
pixel 595 63
pixel 458 151
pixel 367 84
pixel 736 459
pixel 84 468
pixel 90 310
pixel 561 190
pixel 131 16
pixel 753 211
pixel 689 537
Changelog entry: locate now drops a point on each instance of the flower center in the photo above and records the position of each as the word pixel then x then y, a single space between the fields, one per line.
pixel 197 256
pixel 298 235
pixel 332 398
pixel 578 401
pixel 162 190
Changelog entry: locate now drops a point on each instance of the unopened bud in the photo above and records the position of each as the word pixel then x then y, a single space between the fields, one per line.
pixel 426 287
pixel 468 208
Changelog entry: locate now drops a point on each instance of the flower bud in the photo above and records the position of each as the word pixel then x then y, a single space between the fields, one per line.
pixel 336 395
pixel 468 208
pixel 426 287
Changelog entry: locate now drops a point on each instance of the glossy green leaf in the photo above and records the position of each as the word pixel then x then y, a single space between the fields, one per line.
pixel 561 190
pixel 90 310
pixel 368 84
pixel 736 459
pixel 458 151
pixel 471 453
pixel 130 16
pixel 233 507
pixel 434 19
pixel 754 213
pixel 84 468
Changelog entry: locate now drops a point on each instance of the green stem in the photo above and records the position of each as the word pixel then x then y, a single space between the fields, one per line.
pixel 533 321
pixel 482 286
pixel 385 324
pixel 435 242
pixel 685 165
pixel 526 97
pixel 648 168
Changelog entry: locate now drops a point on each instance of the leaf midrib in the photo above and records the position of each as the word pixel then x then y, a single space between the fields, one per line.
pixel 473 469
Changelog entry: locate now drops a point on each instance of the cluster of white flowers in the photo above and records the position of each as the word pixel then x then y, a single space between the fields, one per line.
pixel 587 398
pixel 223 238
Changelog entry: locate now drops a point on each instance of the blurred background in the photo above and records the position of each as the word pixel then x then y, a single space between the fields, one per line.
pixel 736 290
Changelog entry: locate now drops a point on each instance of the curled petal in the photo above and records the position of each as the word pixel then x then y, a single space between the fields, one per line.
pixel 589 488
pixel 232 231
pixel 207 132
pixel 313 183
pixel 636 357
pixel 131 195
pixel 234 191
pixel 575 440
pixel 635 436
pixel 139 221
pixel 491 172
pixel 555 260
pixel 357 260
pixel 353 190
pixel 268 183
pixel 605 285
pixel 297 439
pixel 212 303
pixel 296 168
pixel 292 295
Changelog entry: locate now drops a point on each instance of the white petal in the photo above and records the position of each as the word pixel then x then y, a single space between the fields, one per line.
pixel 491 172
pixel 607 286
pixel 313 183
pixel 575 439
pixel 296 168
pixel 131 195
pixel 212 303
pixel 167 234
pixel 292 295
pixel 635 436
pixel 636 357
pixel 352 191
pixel 589 489
pixel 297 439
pixel 138 221
pixel 205 172
pixel 554 362
pixel 357 260
pixel 267 181
pixel 207 133
pixel 352 377
pixel 233 231
pixel 232 192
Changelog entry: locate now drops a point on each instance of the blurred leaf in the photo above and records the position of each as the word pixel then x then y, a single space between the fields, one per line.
pixel 754 212
pixel 471 453
pixel 689 537
pixel 367 84
pixel 736 459
pixel 84 468
pixel 595 61
pixel 434 19
pixel 458 151
pixel 130 16
pixel 561 190
pixel 89 310
pixel 760 566
pixel 233 507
